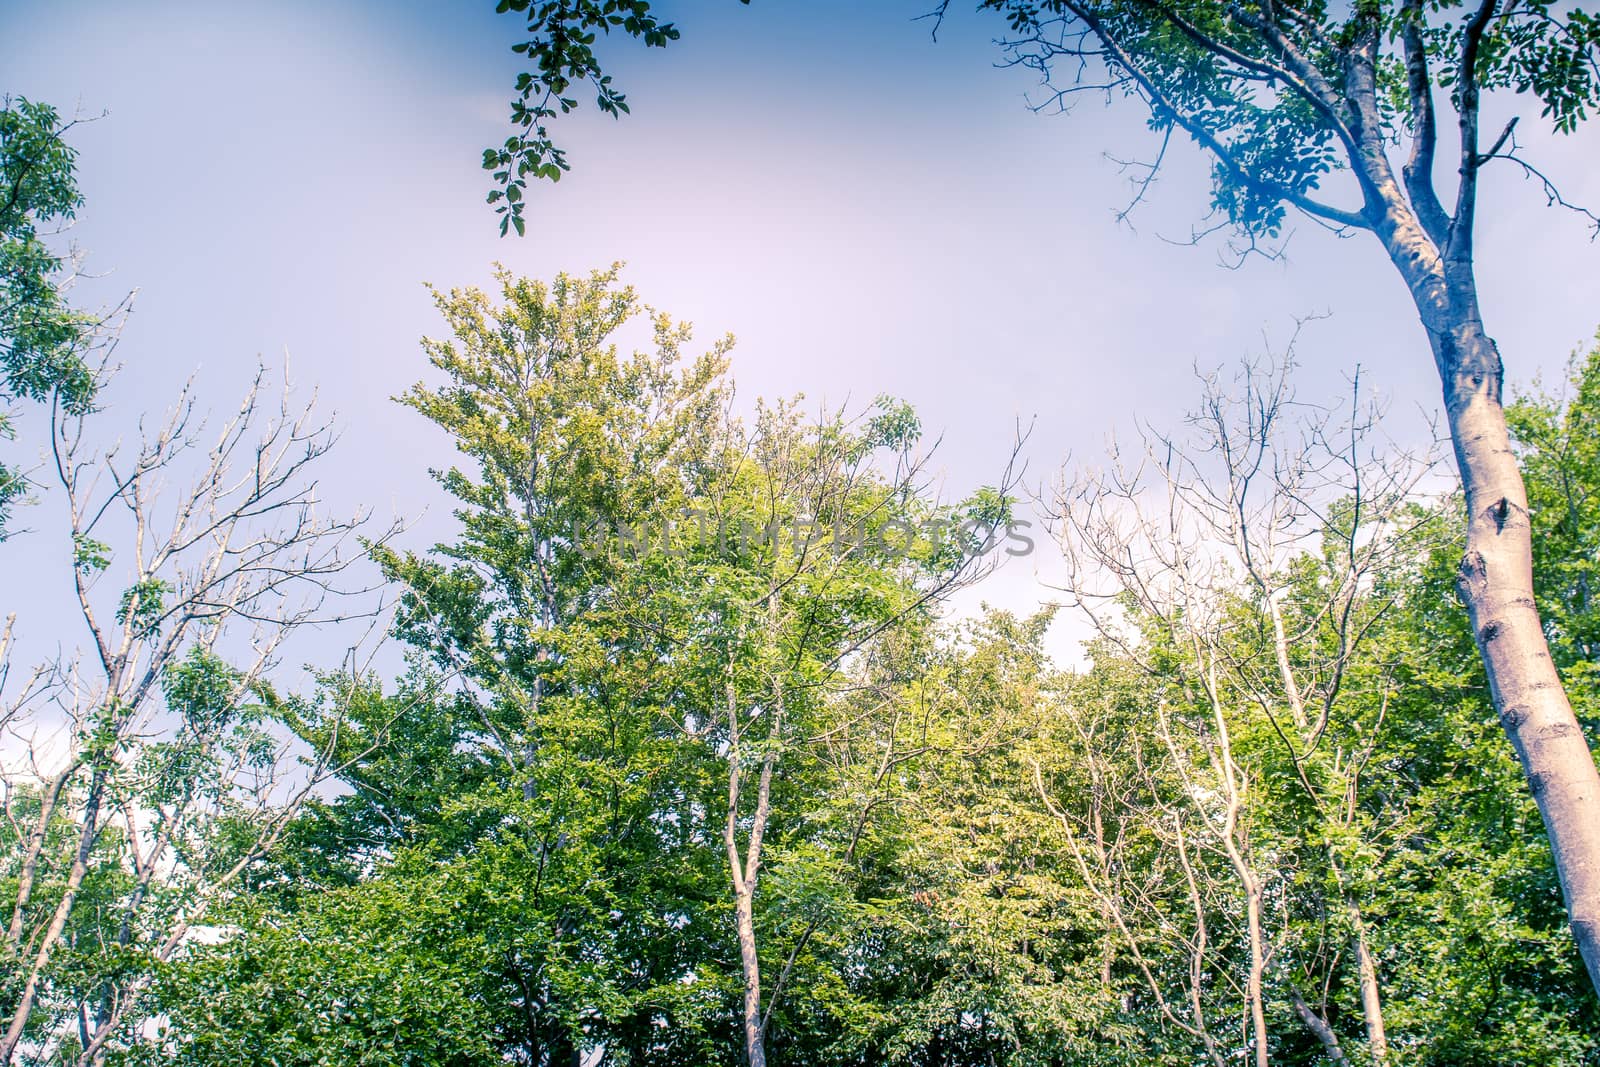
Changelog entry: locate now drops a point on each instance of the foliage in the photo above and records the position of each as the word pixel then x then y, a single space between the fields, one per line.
pixel 1280 767
pixel 1282 98
pixel 146 769
pixel 42 338
pixel 560 41
pixel 1558 438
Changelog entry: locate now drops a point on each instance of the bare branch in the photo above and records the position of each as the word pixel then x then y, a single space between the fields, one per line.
pixel 1418 170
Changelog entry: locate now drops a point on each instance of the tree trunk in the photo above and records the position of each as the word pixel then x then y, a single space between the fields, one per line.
pixel 30 863
pixel 1495 579
pixel 1495 582
pixel 1371 1001
pixel 744 918
pixel 1319 1026
pixel 1258 1017
pixel 744 871
pixel 87 838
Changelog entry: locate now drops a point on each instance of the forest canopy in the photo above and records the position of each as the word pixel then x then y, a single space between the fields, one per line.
pixel 696 735
pixel 654 796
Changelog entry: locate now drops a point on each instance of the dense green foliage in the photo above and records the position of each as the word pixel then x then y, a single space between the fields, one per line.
pixel 973 856
pixel 687 765
pixel 1329 112
pixel 42 337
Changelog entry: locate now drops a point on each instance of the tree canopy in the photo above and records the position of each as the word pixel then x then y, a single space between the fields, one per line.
pixel 689 748
pixel 42 337
pixel 661 748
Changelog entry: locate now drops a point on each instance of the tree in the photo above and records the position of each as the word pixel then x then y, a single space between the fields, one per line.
pixel 148 778
pixel 1285 99
pixel 1243 573
pixel 43 339
pixel 559 690
pixel 1309 834
pixel 1268 820
pixel 840 555
pixel 648 632
pixel 550 784
pixel 729 571
pixel 985 945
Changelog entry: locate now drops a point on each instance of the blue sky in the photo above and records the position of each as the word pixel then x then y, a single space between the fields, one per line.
pixel 867 210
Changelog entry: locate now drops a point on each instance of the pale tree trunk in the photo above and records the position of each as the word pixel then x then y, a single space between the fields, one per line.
pixel 1433 251
pixel 1371 1000
pixel 1366 966
pixel 87 837
pixel 30 864
pixel 1495 582
pixel 745 870
pixel 750 963
pixel 1496 585
pixel 1258 1017
pixel 1234 788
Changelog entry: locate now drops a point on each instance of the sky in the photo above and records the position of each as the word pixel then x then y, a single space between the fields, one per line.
pixel 866 209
